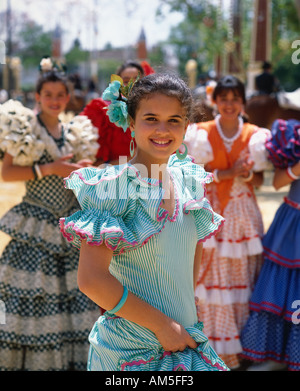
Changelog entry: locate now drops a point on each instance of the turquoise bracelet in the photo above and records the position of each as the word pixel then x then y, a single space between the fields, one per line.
pixel 121 302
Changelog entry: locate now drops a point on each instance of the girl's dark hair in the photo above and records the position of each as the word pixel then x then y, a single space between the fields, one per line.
pixel 230 83
pixel 131 64
pixel 163 83
pixel 51 76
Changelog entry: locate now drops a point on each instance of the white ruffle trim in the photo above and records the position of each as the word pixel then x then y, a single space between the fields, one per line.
pixel 199 147
pixel 224 296
pixel 225 347
pixel 235 250
pixel 258 151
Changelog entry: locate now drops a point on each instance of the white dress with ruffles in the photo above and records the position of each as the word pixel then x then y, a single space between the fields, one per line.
pixel 231 259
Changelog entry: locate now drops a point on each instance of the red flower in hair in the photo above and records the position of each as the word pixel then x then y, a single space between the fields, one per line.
pixel 148 70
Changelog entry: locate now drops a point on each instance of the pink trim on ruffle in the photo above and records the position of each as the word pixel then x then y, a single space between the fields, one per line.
pixel 141 361
pixel 213 233
pixel 144 362
pixel 84 234
pixel 208 361
pixel 177 368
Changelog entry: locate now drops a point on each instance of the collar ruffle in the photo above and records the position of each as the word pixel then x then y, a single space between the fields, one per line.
pixel 122 209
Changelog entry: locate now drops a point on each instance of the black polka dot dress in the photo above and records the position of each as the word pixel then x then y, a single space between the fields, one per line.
pixel 45 320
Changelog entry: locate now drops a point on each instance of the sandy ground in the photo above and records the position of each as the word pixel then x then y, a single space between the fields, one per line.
pixel 12 192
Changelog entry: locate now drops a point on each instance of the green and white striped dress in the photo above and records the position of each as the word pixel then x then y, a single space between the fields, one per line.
pixel 153 255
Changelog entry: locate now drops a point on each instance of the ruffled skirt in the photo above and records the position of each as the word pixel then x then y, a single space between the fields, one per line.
pixel 229 268
pixel 45 320
pixel 272 331
pixel 120 345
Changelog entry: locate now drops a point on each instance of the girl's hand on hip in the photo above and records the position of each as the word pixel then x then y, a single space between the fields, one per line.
pixel 173 337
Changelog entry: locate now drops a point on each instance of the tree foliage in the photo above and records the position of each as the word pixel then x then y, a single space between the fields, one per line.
pixel 33 44
pixel 75 56
pixel 204 32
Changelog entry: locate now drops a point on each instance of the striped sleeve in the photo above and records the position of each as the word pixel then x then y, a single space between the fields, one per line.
pixel 193 179
pixel 115 209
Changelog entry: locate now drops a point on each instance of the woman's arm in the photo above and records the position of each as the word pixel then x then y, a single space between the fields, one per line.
pixel 281 177
pixel 60 167
pixel 96 282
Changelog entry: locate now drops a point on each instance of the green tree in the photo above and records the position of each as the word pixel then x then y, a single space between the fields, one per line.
pixel 33 44
pixel 75 56
pixel 211 31
pixel 286 27
pixel 201 35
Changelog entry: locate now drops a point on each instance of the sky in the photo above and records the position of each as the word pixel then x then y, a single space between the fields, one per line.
pixel 98 22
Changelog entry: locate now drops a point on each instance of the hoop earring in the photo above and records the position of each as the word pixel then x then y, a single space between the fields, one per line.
pixel 132 144
pixel 182 156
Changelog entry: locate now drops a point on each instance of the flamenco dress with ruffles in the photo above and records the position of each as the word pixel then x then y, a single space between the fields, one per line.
pixel 153 256
pixel 47 319
pixel 231 259
pixel 272 331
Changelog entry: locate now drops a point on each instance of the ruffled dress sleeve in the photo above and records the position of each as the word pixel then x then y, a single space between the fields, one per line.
pixel 258 150
pixel 199 147
pixel 118 208
pixel 284 144
pixel 192 180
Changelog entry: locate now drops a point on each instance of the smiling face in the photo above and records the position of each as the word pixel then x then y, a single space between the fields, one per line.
pixel 230 104
pixel 53 98
pixel 160 125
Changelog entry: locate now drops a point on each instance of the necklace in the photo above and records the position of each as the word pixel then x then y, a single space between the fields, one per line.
pixel 228 141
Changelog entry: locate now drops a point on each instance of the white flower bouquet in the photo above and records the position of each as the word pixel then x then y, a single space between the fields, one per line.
pixel 82 136
pixel 16 136
pixel 26 140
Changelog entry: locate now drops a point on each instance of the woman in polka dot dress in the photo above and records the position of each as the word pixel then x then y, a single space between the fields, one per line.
pixel 47 319
pixel 232 259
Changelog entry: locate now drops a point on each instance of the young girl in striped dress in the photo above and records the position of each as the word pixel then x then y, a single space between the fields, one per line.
pixel 140 234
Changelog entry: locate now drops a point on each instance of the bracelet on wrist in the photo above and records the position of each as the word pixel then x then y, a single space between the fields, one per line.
pixel 121 302
pixel 38 171
pixel 249 177
pixel 291 174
